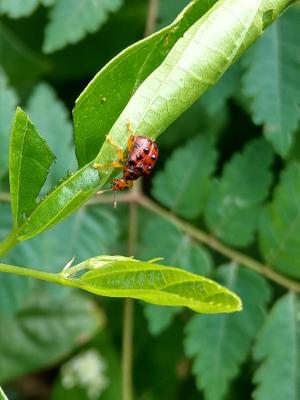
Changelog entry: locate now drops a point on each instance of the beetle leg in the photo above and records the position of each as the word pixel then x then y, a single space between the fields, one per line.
pixel 113 164
pixel 119 150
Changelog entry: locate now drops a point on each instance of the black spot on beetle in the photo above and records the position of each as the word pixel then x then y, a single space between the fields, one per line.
pixel 131 162
pixel 139 157
pixel 153 157
pixel 146 150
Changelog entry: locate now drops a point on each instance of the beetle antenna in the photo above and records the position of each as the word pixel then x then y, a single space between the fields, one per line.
pixel 115 200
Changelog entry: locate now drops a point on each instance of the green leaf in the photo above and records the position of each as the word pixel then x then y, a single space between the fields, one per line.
pixel 29 161
pixel 51 117
pixel 155 284
pixel 161 238
pixel 272 81
pixel 21 8
pixel 185 74
pixel 43 332
pixel 70 21
pixel 107 94
pixel 280 224
pixel 8 103
pixel 2 395
pixel 184 184
pixel 220 344
pixel 277 377
pixel 233 206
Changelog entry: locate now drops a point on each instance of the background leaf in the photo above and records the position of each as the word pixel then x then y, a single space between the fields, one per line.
pixel 280 224
pixel 162 239
pixel 220 345
pixel 8 103
pixel 2 395
pixel 69 21
pixel 43 332
pixel 272 81
pixel 279 363
pixel 20 8
pixel 184 184
pixel 235 200
pixel 29 161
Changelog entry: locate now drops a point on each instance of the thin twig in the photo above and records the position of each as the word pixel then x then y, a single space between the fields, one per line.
pixel 4 197
pixel 151 17
pixel 213 243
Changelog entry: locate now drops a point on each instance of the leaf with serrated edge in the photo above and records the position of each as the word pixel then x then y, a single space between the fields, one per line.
pixel 279 224
pixel 272 81
pixel 220 344
pixel 21 8
pixel 70 21
pixel 160 237
pixel 277 349
pixel 183 185
pixel 100 104
pixel 233 206
pixel 8 103
pixel 157 284
pixel 29 161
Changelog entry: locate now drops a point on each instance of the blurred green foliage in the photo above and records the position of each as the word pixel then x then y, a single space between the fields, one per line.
pixel 230 165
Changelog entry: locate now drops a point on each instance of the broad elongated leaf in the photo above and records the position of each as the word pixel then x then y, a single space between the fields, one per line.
pixel 278 375
pixel 21 8
pixel 186 74
pixel 29 161
pixel 233 206
pixel 156 284
pixel 51 117
pixel 272 81
pixel 184 184
pixel 280 224
pixel 220 344
pixel 102 101
pixel 70 21
pixel 8 103
pixel 43 332
pixel 162 239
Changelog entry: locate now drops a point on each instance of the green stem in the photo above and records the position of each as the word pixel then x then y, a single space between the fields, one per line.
pixel 8 243
pixel 41 275
pixel 213 243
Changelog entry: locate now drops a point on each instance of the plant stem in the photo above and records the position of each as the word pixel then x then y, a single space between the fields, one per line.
pixel 210 241
pixel 4 197
pixel 8 243
pixel 129 303
pixel 37 274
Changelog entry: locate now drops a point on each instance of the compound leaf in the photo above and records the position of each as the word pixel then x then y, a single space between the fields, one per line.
pixel 184 184
pixel 8 103
pixel 235 200
pixel 51 117
pixel 70 21
pixel 161 238
pixel 272 81
pixel 156 284
pixel 43 332
pixel 220 344
pixel 280 224
pixel 29 161
pixel 279 363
